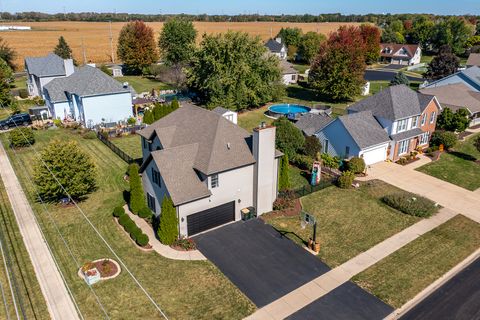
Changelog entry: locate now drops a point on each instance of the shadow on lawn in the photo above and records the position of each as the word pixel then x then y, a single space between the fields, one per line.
pixel 464 156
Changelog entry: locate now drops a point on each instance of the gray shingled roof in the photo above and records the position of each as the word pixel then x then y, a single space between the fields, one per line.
pixel 364 129
pixel 311 123
pixel 85 81
pixel 51 65
pixel 394 103
pixel 287 67
pixel 222 145
pixel 456 96
pixel 472 73
pixel 407 134
pixel 220 110
pixel 274 46
pixel 175 166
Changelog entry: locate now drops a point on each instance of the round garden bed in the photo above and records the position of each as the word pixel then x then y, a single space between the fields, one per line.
pixel 101 269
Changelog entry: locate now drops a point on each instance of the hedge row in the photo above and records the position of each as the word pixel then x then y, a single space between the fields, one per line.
pixel 129 225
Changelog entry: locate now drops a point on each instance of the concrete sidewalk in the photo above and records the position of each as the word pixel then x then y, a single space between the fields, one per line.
pixel 59 302
pixel 317 288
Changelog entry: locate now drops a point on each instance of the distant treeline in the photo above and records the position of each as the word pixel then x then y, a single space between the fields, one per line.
pixel 378 19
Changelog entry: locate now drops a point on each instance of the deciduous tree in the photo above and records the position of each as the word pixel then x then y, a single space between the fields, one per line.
pixel 289 139
pixel 422 31
pixel 136 46
pixel 7 54
pixel 453 32
pixel 168 227
pixel 290 36
pixel 232 70
pixel 177 41
pixel 6 78
pixel 309 46
pixel 62 165
pixel 451 121
pixel 338 70
pixel 371 38
pixel 444 64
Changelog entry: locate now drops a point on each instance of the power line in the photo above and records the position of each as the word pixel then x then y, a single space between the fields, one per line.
pixel 28 176
pixel 95 229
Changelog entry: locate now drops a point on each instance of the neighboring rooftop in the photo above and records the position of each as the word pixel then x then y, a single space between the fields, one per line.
pixel 473 60
pixel 311 123
pixel 410 49
pixel 394 103
pixel 85 81
pixel 456 96
pixel 364 129
pixel 274 46
pixel 469 76
pixel 287 67
pixel 49 66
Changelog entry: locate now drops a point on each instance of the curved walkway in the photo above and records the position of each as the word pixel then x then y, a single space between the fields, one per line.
pixel 160 248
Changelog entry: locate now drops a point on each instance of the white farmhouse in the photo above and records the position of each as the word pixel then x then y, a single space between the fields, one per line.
pixel 209 167
pixel 42 70
pixel 88 96
pixel 289 73
pixel 277 48
pixel 402 54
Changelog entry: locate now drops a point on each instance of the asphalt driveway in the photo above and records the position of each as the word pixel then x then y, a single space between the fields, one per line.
pixel 347 302
pixel 261 262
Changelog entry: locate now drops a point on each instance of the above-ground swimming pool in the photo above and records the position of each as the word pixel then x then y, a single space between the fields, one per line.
pixel 287 110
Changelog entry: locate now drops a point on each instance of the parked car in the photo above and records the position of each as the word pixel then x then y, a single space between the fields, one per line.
pixel 21 119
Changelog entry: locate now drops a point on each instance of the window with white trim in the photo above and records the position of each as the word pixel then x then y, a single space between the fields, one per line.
pixel 424 138
pixel 214 181
pixel 424 119
pixel 402 125
pixel 415 122
pixel 432 117
pixel 403 147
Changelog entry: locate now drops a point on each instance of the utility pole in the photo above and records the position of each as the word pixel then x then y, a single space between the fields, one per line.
pixel 111 43
pixel 84 53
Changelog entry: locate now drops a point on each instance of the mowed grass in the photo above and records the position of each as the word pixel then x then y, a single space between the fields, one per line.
pixel 349 221
pixel 402 275
pixel 251 119
pixel 458 167
pixel 130 144
pixel 297 177
pixel 95 36
pixel 183 289
pixel 29 297
pixel 142 84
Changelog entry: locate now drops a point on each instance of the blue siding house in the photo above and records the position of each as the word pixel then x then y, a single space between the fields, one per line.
pixel 88 96
pixel 470 77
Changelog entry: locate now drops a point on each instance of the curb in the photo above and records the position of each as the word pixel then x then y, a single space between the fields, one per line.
pixel 433 287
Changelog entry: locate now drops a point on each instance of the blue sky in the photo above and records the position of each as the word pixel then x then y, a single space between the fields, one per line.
pixel 247 6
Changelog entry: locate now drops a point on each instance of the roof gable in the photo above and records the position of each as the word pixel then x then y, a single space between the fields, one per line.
pixel 275 46
pixel 51 65
pixel 365 130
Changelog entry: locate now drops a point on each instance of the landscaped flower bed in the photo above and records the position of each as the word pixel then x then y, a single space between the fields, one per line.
pixel 184 244
pixel 102 269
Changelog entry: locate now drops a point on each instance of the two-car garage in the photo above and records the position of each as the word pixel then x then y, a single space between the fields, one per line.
pixel 210 218
pixel 374 154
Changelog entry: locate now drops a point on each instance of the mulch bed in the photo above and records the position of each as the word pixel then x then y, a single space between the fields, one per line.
pixel 435 155
pixel 289 212
pixel 106 268
pixel 475 127
pixel 464 134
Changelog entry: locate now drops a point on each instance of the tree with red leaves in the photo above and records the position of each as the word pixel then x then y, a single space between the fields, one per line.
pixel 337 71
pixel 136 46
pixel 371 38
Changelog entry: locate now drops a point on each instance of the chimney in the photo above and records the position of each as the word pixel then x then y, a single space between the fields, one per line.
pixel 266 168
pixel 279 40
pixel 69 68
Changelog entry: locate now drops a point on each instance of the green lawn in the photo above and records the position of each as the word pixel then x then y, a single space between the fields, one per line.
pixel 377 86
pixel 20 83
pixel 142 84
pixel 300 67
pixel 403 274
pixel 184 289
pixel 29 294
pixel 349 221
pixel 297 178
pixel 252 118
pixel 23 105
pixel 458 167
pixel 130 144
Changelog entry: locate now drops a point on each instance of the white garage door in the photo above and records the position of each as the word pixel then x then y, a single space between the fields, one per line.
pixel 375 155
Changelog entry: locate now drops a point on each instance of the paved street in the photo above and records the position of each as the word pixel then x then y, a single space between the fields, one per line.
pixel 59 303
pixel 384 75
pixel 459 298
